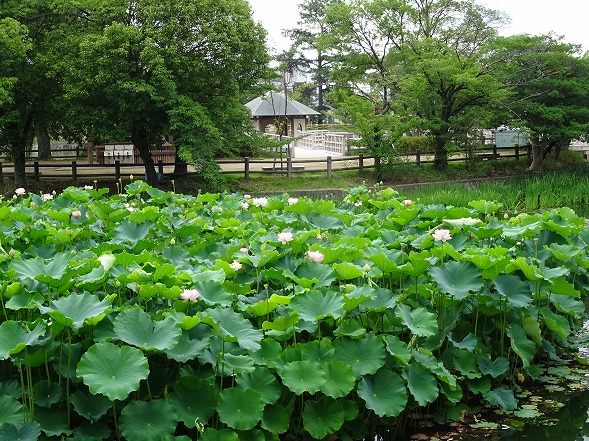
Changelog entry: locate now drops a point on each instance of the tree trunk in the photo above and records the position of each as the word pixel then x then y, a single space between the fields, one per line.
pixel 180 166
pixel 440 153
pixel 537 155
pixel 43 142
pixel 19 168
pixel 141 142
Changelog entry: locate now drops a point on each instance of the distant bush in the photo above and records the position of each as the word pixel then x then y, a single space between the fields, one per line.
pixel 410 144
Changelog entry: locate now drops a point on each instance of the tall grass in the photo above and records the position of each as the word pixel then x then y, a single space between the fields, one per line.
pixel 550 190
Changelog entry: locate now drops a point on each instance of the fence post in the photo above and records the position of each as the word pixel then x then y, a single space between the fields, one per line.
pixel 247 167
pixel 1 173
pixel 117 169
pixel 36 170
pixel 494 151
pixel 289 167
pixel 418 157
pixel 160 167
pixel 361 163
pixel 329 171
pixel 74 171
pixel 517 152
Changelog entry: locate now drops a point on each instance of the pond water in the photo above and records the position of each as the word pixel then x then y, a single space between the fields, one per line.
pixel 570 423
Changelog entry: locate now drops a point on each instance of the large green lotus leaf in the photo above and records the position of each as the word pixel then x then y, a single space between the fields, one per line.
pixel 418 263
pixel 14 338
pixel 503 398
pixel 239 408
pixel 131 232
pixel 436 367
pixel 213 293
pixel 29 431
pixel 322 417
pixel 187 349
pixel 469 342
pixel 349 328
pixel 236 364
pixel 268 354
pixel 339 379
pixel 485 207
pixel 533 329
pixel 494 368
pixel 53 421
pixel 465 363
pixel 531 272
pixel 313 274
pixel 11 388
pixel 420 321
pixel 318 350
pixel 211 434
pixel 387 262
pixel 275 419
pixel 568 305
pixel 358 296
pixel 90 406
pixel 324 222
pixel 135 327
pixel 113 371
pixel 457 279
pixel 398 349
pixel 556 323
pixel 53 273
pixel 520 344
pixel 24 299
pixel 384 393
pixel 10 411
pixel 563 287
pixel 382 300
pixel 73 310
pixel 515 290
pixel 313 306
pixel 421 383
pixel 147 420
pixel 365 355
pixel 303 376
pixel 479 385
pixel 347 271
pixel 194 400
pixel 233 326
pixel 46 393
pixel 262 380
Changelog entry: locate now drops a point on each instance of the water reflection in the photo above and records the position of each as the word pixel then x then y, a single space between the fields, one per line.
pixel 571 423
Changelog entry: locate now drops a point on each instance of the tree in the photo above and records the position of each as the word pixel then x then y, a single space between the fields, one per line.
pixel 310 54
pixel 169 68
pixel 550 85
pixel 421 60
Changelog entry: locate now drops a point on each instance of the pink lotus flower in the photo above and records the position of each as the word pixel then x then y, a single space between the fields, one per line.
pixel 244 250
pixel 315 256
pixel 235 265
pixel 20 191
pixel 76 213
pixel 46 197
pixel 260 202
pixel 443 235
pixel 285 237
pixel 292 201
pixel 190 295
pixel 407 202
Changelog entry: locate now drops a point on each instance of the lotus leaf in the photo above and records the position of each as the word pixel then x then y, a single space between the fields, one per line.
pixel 503 398
pixel 29 431
pixel 365 355
pixel 323 417
pixel 384 393
pixel 275 419
pixel 90 406
pixel 261 380
pixel 314 305
pixel 113 371
pixel 14 337
pixel 303 376
pixel 421 384
pixel 233 326
pixel 135 327
pixel 147 420
pixel 11 411
pixel 240 408
pixel 75 309
pixel 194 400
pixel 457 279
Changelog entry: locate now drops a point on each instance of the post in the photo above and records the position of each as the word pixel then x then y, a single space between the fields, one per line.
pixel 418 157
pixel 289 167
pixel 246 167
pixel 90 152
pixel 1 173
pixel 36 170
pixel 361 163
pixel 329 172
pixel 117 169
pixel 517 152
pixel 160 168
pixel 74 171
pixel 494 151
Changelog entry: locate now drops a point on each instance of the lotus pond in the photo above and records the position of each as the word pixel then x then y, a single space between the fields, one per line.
pixel 149 315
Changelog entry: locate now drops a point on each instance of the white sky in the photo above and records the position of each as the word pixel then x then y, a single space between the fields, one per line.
pixel 569 18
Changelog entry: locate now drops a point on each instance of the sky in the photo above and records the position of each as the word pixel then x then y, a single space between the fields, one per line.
pixel 568 18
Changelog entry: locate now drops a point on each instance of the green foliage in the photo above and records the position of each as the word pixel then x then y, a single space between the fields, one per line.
pixel 410 144
pixel 189 313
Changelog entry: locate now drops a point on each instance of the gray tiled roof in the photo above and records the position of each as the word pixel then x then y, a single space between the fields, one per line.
pixel 273 105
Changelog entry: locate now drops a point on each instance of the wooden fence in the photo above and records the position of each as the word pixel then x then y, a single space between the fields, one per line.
pixel 75 170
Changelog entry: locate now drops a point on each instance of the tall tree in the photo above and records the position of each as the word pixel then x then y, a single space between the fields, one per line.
pixel 305 42
pixel 170 68
pixel 550 84
pixel 423 60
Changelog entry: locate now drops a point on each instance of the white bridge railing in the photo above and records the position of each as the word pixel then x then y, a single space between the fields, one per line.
pixel 336 143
